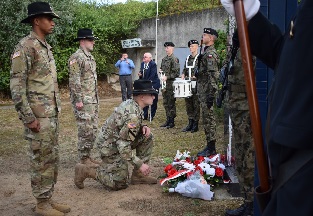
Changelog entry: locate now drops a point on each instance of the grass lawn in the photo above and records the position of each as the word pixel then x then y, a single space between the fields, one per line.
pixel 167 141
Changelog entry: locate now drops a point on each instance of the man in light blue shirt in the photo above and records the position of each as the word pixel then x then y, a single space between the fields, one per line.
pixel 125 66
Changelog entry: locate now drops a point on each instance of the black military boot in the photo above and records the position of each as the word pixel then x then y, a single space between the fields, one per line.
pixel 208 150
pixel 194 127
pixel 166 123
pixel 171 123
pixel 245 209
pixel 189 126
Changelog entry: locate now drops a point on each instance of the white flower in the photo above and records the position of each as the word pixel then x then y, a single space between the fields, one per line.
pixel 207 168
pixel 178 155
pixel 189 166
pixel 186 154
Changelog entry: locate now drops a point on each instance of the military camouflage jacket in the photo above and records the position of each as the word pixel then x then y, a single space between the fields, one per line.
pixel 83 77
pixel 191 63
pixel 120 130
pixel 33 82
pixel 209 65
pixel 170 66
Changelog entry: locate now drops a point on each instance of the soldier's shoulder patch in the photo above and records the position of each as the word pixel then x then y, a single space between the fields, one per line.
pixel 131 125
pixel 73 61
pixel 16 54
pixel 210 56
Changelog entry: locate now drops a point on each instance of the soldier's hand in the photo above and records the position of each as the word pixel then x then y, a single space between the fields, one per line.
pixel 146 131
pixel 79 105
pixel 144 169
pixel 164 78
pixel 183 76
pixel 34 126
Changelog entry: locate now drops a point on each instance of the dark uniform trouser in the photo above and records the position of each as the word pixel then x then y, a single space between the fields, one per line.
pixel 169 99
pixel 113 172
pixel 193 106
pixel 87 126
pixel 154 107
pixel 44 157
pixel 126 86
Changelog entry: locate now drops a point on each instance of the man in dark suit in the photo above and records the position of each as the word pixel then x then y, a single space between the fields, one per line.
pixel 289 127
pixel 148 71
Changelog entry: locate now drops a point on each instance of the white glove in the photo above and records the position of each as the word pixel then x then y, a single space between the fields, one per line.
pixel 251 7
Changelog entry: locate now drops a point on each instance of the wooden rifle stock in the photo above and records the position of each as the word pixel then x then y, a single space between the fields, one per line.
pixel 261 158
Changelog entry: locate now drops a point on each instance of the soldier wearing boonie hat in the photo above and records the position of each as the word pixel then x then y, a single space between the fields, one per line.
pixel 33 67
pixel 84 95
pixel 122 133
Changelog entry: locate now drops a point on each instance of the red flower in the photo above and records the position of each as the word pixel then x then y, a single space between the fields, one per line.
pixel 171 172
pixel 197 162
pixel 201 158
pixel 219 172
pixel 188 160
pixel 189 174
pixel 168 168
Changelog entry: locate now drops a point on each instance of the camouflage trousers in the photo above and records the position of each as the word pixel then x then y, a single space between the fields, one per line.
pixel 87 127
pixel 44 157
pixel 169 100
pixel 113 172
pixel 208 118
pixel 242 145
pixel 193 106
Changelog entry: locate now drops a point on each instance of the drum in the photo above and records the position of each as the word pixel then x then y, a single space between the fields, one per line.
pixel 182 88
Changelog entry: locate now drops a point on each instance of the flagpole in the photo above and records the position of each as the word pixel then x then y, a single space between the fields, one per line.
pixel 156 31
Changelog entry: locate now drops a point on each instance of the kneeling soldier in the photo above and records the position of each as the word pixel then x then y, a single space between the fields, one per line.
pixel 121 133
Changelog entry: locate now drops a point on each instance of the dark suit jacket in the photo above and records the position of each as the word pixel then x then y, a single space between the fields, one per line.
pixel 151 74
pixel 291 97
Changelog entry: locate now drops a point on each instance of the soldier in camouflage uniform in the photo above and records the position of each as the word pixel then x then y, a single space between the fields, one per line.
pixel 84 94
pixel 35 93
pixel 242 140
pixel 170 67
pixel 123 139
pixel 192 103
pixel 206 87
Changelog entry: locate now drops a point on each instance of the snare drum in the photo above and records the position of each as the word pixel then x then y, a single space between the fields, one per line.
pixel 182 88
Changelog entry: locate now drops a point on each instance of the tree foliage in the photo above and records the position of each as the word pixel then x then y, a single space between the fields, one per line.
pixel 111 23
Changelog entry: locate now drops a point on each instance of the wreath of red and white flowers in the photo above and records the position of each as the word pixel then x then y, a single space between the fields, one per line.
pixel 209 170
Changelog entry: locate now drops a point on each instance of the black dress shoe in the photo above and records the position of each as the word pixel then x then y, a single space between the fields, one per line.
pixel 245 209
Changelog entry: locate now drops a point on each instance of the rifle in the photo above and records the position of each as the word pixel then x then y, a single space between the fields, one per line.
pixel 225 71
